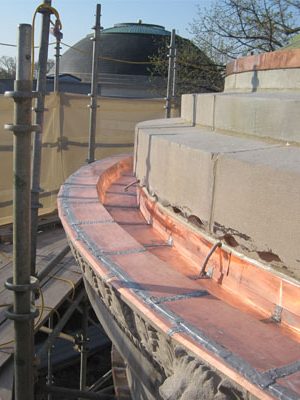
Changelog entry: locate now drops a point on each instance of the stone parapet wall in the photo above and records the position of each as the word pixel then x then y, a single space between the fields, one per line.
pixel 277 70
pixel 264 81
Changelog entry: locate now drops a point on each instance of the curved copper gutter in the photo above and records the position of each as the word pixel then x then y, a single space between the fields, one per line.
pixel 243 320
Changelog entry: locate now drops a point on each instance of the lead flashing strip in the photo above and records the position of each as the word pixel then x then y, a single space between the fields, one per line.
pixel 95 222
pixel 282 372
pixel 196 293
pixel 283 393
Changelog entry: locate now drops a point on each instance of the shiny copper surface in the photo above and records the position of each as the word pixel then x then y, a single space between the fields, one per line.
pixel 161 255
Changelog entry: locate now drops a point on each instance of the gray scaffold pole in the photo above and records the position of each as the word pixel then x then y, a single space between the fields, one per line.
pixel 174 75
pixel 49 377
pixel 171 72
pixel 94 87
pixel 37 143
pixel 83 345
pixel 22 283
pixel 58 36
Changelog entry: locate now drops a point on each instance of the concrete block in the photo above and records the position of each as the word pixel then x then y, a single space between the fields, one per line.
pixel 140 142
pixel 178 165
pixel 163 165
pixel 198 109
pixel 205 109
pixel 163 123
pixel 268 115
pixel 257 201
pixel 187 107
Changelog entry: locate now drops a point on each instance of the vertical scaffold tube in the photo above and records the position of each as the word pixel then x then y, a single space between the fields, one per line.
pixel 170 74
pixel 22 283
pixel 94 87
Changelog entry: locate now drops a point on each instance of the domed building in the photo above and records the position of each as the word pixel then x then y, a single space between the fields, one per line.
pixel 124 65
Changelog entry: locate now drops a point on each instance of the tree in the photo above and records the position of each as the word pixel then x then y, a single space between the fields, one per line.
pixel 195 72
pixel 50 65
pixel 231 28
pixel 8 67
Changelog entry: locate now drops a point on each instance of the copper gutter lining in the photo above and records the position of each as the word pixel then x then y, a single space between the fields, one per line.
pixel 285 59
pixel 269 289
pixel 72 211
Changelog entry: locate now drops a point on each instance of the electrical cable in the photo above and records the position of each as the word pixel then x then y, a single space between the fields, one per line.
pixel 5 344
pixel 71 283
pixel 106 58
pixel 8 45
pixel 42 307
pixel 50 309
pixel 198 66
pixel 2 345
pixel 58 24
pixel 14 45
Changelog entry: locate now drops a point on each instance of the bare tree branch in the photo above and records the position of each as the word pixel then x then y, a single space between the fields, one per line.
pixel 230 28
pixel 8 67
pixel 195 72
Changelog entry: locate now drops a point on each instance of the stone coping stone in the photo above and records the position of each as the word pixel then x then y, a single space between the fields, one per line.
pixel 272 115
pixel 244 188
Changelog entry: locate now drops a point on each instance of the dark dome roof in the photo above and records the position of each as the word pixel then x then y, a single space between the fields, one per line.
pixel 127 41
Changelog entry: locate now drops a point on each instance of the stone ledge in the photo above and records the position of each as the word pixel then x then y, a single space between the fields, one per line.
pixel 271 115
pixel 247 189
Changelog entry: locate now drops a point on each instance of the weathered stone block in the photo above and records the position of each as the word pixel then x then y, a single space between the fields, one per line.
pixel 267 115
pixel 272 115
pixel 257 200
pixel 178 165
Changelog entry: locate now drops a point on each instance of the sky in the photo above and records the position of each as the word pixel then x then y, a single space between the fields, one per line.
pixel 78 17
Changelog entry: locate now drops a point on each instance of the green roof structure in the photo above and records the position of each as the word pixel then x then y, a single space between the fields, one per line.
pixel 138 28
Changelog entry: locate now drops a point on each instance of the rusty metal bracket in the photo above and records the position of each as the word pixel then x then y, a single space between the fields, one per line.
pixel 131 184
pixel 276 316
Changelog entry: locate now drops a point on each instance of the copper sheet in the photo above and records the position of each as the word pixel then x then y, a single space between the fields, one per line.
pixel 160 262
pixel 274 60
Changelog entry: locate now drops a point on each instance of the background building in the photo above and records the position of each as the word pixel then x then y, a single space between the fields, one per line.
pixel 127 52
